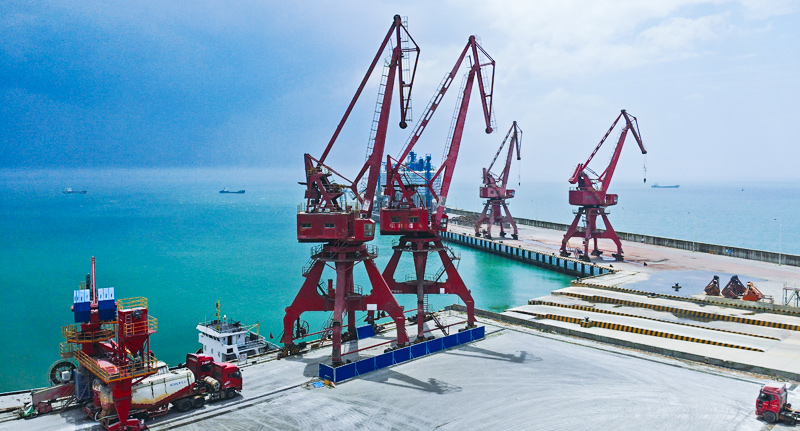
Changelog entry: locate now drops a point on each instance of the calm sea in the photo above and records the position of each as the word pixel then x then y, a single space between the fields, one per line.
pixel 168 235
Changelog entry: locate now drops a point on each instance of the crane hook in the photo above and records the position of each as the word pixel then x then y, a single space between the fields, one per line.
pixel 644 166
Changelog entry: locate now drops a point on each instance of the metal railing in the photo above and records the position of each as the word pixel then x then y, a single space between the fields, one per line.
pixel 129 303
pixel 141 327
pixel 67 349
pixel 132 370
pixel 73 333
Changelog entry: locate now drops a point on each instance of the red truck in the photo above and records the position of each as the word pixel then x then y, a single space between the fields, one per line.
pixel 184 388
pixel 772 405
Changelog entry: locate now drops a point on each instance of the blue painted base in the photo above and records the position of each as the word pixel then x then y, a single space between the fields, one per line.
pixel 353 369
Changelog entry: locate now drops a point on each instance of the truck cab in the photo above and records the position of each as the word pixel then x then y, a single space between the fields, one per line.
pixel 227 374
pixel 772 404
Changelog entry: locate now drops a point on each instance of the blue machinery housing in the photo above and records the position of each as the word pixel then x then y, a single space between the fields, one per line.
pixel 363 366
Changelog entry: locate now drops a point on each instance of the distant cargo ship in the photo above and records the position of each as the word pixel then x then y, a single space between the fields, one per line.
pixel 225 190
pixel 69 191
pixel 656 186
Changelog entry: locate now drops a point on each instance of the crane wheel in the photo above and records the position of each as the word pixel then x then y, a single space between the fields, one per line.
pixel 770 417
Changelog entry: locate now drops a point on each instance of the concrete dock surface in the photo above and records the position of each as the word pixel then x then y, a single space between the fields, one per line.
pixel 643 262
pixel 515 378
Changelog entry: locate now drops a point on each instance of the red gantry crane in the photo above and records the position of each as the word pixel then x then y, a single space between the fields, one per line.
pixel 345 228
pixel 592 197
pixel 406 212
pixel 495 189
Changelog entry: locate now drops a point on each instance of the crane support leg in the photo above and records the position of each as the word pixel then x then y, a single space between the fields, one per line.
pixel 344 286
pixel 454 284
pixel 506 218
pixel 495 211
pixel 420 262
pixel 611 234
pixel 486 219
pixel 572 232
pixel 343 298
pixel 382 296
pixel 591 234
pixel 307 299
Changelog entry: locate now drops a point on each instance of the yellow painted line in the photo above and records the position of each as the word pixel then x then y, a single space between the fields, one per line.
pixel 704 314
pixel 580 283
pixel 616 313
pixel 624 328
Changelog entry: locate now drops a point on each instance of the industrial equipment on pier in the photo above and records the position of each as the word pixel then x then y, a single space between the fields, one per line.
pixel 495 190
pixel 344 228
pixel 407 213
pixel 592 197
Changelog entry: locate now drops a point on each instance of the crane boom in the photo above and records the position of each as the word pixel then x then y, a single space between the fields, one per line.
pixel 604 179
pixel 400 193
pixel 322 194
pixel 515 133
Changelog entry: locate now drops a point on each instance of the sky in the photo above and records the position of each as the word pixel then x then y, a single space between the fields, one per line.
pixel 255 84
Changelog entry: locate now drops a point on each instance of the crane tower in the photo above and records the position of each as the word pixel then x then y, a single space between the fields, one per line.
pixel 344 228
pixel 592 197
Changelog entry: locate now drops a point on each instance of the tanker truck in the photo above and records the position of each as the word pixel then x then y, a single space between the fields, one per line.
pixel 184 388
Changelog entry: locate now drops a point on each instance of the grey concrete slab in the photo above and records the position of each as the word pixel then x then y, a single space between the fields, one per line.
pixel 513 380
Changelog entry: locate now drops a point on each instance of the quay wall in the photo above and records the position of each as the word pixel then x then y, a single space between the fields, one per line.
pixel 550 261
pixel 702 247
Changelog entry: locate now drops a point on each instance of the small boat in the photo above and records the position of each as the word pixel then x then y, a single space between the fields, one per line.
pixel 229 340
pixel 225 190
pixel 656 186
pixel 69 191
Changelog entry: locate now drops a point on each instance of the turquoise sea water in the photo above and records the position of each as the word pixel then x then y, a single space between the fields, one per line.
pixel 168 235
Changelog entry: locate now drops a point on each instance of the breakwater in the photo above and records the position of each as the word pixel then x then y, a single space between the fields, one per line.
pixel 549 261
pixel 701 247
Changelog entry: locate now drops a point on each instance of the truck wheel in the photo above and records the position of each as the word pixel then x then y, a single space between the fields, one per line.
pixel 230 393
pixel 770 417
pixel 198 402
pixel 183 405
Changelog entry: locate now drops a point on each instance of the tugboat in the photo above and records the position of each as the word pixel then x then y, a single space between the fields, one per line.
pixel 225 190
pixel 228 340
pixel 69 191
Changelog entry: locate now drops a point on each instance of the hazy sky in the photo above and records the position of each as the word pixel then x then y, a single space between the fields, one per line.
pixel 715 84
